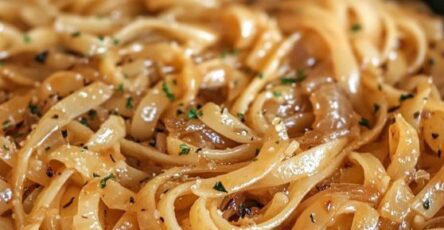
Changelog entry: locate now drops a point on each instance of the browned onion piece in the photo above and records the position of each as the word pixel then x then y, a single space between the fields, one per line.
pixel 320 75
pixel 195 132
pixel 298 123
pixel 215 95
pixel 334 116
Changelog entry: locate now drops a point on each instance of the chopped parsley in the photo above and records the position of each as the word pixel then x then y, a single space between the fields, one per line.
pixel 84 122
pixel 364 122
pixel 260 75
pixel 76 34
pixel 404 97
pixel 129 103
pixel 166 89
pixel 105 179
pixel 92 114
pixel 27 39
pixel 431 61
pixel 277 94
pixel 41 57
pixel 101 38
pixel 241 117
pixel 288 80
pixel 96 175
pixel 300 76
pixel 219 187
pixel 376 108
pixel 225 53
pixel 426 204
pixel 435 135
pixel 120 88
pixel 194 114
pixel 356 27
pixel 184 149
pixel 34 109
pixel 6 124
pixel 6 148
pixel 116 41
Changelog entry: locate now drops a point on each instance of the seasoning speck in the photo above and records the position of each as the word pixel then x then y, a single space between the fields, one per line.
pixel 364 122
pixel 219 187
pixel 184 149
pixel 105 180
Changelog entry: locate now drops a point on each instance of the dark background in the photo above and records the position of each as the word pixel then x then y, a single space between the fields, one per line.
pixel 437 6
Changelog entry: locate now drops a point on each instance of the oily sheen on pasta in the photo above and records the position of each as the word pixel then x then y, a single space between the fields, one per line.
pixel 221 114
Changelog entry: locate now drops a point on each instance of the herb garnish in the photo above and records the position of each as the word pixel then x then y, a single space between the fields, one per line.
pixel 166 89
pixel 219 187
pixel 105 180
pixel 184 149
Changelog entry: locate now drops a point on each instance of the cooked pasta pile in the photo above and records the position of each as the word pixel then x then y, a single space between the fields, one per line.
pixel 221 114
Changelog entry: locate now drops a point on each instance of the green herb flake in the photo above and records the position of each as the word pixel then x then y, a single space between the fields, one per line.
pixel 219 187
pixel 431 61
pixel 105 180
pixel 120 88
pixel 27 39
pixel 194 113
pixel 6 148
pixel 404 97
pixel 129 103
pixel 84 122
pixel 6 124
pixel 241 117
pixel 101 38
pixel 277 94
pixel 260 75
pixel 225 53
pixel 184 149
pixel 92 114
pixel 166 89
pixel 76 34
pixel 376 108
pixel 116 41
pixel 95 174
pixel 2 63
pixel 34 109
pixel 288 80
pixel 356 27
pixel 364 122
pixel 300 75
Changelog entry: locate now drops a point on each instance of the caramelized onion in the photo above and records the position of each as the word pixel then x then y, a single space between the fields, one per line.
pixel 334 116
pixel 197 133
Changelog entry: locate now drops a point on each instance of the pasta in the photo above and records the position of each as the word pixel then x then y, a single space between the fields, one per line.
pixel 221 114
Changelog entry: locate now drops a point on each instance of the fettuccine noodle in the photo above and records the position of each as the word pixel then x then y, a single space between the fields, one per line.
pixel 221 114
